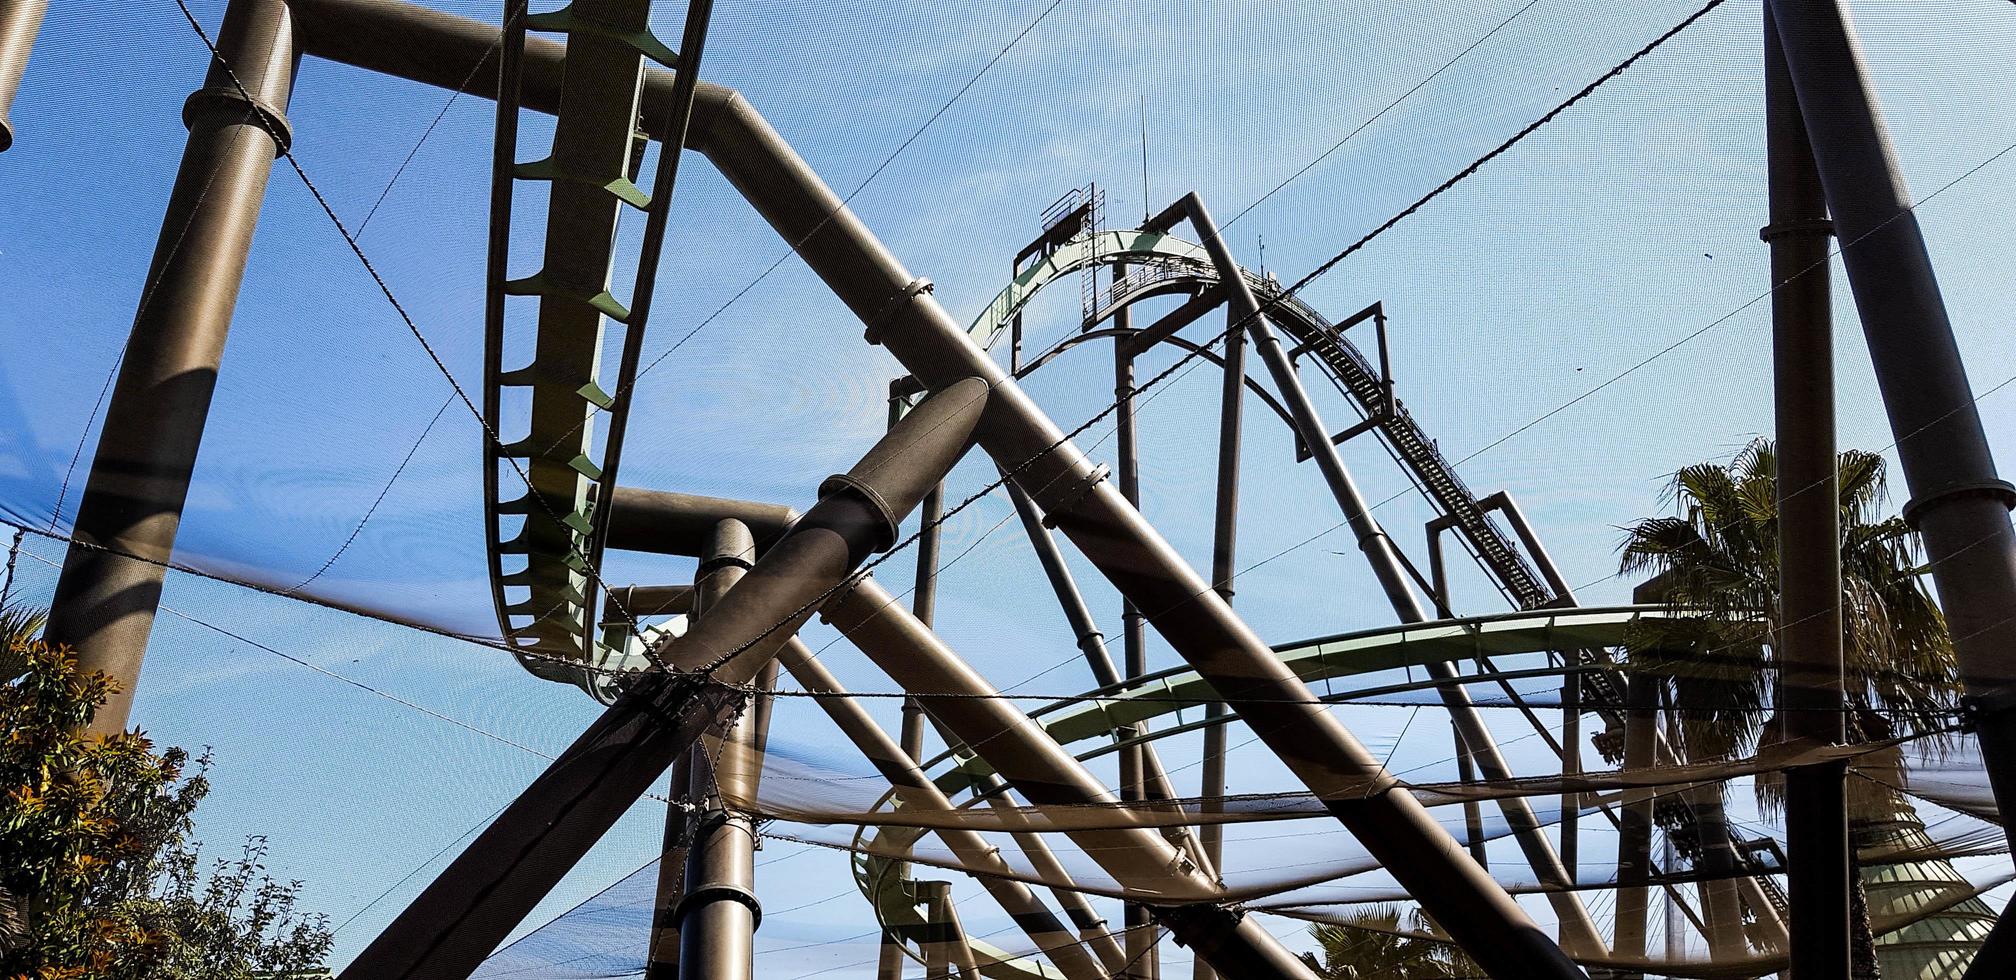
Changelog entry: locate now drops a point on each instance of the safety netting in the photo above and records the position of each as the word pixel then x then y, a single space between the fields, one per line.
pixel 1570 323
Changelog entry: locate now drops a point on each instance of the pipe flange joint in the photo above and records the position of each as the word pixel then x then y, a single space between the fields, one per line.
pixel 1998 489
pixel 234 105
pixel 1803 226
pixel 888 521
pixel 1074 495
pixel 873 325
pixel 720 892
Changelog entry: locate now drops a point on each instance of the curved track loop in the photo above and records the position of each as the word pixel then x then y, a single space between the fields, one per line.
pixel 545 606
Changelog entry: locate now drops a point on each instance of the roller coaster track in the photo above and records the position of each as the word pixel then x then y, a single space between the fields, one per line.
pixel 545 607
pixel 1097 716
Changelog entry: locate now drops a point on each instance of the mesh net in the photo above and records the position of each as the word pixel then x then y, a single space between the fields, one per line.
pixel 1580 317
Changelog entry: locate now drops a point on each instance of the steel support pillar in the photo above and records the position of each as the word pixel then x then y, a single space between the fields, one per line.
pixel 718 910
pixel 1578 931
pixel 1634 828
pixel 486 891
pixel 1224 571
pixel 661 961
pixel 105 600
pixel 1143 963
pixel 19 22
pixel 1958 503
pixel 1811 679
pixel 1019 750
pixel 923 602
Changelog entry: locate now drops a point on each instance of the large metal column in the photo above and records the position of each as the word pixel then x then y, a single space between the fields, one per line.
pixel 719 912
pixel 1042 771
pixel 919 794
pixel 1224 569
pixel 1143 961
pixel 132 504
pixel 923 602
pixel 661 958
pixel 1634 825
pixel 1811 680
pixel 19 22
pixel 1277 706
pixel 1959 504
pixel 1578 930
pixel 486 891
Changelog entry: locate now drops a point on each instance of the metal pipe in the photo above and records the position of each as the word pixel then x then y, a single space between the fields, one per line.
pixel 1473 813
pixel 1634 831
pixel 486 891
pixel 1578 930
pixel 1811 678
pixel 1276 705
pixel 127 519
pixel 919 794
pixel 1959 505
pixel 1571 684
pixel 1143 963
pixel 662 956
pixel 19 22
pixel 1044 773
pixel 1224 568
pixel 667 523
pixel 719 911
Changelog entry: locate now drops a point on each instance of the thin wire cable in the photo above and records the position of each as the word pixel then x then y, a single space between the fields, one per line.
pixel 428 132
pixel 1361 127
pixel 372 510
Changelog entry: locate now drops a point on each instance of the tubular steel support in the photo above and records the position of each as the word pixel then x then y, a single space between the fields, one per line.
pixel 918 793
pixel 1578 930
pixel 1143 961
pixel 1811 677
pixel 1224 568
pixel 661 960
pixel 19 22
pixel 1959 505
pixel 718 910
pixel 132 504
pixel 1634 831
pixel 481 896
pixel 1047 775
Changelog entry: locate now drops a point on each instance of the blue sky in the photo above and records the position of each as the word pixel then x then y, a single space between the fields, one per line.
pixel 1627 226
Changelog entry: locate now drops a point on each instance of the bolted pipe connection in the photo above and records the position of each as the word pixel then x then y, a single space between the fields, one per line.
pixel 858 514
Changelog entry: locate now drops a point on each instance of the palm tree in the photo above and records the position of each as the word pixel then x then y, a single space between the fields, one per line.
pixel 1374 945
pixel 1718 553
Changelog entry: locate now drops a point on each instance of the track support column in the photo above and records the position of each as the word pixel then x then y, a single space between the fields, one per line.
pixel 1958 502
pixel 718 912
pixel 132 504
pixel 1811 681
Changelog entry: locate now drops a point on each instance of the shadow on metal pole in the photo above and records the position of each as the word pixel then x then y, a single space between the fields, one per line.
pixel 131 509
